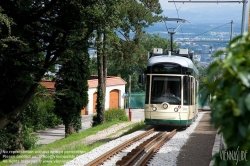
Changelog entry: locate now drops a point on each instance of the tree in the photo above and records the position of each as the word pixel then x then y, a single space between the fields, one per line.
pixel 135 57
pixel 47 30
pixel 72 91
pixel 106 19
pixel 150 41
pixel 130 57
pixel 228 82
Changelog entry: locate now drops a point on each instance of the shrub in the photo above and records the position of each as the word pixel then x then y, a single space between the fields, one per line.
pixel 228 82
pixel 113 114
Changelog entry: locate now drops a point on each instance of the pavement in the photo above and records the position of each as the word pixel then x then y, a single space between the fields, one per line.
pixel 197 150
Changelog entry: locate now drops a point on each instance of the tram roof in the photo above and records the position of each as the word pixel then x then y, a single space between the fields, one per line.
pixel 183 61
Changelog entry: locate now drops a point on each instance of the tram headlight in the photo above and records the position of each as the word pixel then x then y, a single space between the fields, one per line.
pixel 165 105
pixel 154 108
pixel 175 109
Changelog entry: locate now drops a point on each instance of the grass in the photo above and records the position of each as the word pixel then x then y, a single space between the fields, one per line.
pixel 130 129
pixel 67 152
pixel 65 155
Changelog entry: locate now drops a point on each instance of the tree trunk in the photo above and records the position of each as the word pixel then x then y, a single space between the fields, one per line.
pixel 104 66
pixel 19 143
pixel 69 129
pixel 100 96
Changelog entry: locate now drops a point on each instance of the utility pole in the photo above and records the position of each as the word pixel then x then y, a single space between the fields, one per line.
pixel 243 21
pixel 231 34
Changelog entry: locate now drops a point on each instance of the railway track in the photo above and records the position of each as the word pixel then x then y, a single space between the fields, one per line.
pixel 139 155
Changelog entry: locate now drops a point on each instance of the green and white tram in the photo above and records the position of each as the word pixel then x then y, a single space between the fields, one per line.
pixel 171 88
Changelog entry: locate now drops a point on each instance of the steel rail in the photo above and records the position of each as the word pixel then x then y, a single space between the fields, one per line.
pixel 143 161
pixel 115 150
pixel 142 153
pixel 132 157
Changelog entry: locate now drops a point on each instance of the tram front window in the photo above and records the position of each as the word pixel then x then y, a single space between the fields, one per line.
pixel 166 89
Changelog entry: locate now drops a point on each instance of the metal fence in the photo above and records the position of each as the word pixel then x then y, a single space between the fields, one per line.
pixel 137 100
pixel 202 104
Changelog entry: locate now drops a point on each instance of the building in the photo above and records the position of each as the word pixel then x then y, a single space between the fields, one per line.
pixel 115 88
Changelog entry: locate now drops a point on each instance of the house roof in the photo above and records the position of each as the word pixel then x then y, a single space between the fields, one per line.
pixel 111 81
pixel 48 84
pixel 92 82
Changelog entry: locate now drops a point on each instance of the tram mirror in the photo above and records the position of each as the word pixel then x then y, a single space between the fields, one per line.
pixel 186 79
pixel 140 79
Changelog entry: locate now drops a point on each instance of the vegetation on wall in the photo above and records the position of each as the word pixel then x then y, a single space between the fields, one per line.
pixel 228 82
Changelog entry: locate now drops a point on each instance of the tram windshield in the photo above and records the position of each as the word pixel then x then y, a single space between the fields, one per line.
pixel 166 89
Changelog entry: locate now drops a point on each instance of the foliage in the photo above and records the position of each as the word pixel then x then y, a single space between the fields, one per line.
pixel 47 29
pixel 202 74
pixel 11 138
pixel 37 116
pixel 122 17
pixel 72 91
pixel 99 119
pixel 150 41
pixel 40 112
pixel 134 57
pixel 93 66
pixel 228 82
pixel 111 115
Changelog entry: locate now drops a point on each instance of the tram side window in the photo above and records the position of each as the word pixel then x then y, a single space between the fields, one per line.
pixel 196 92
pixel 185 93
pixel 192 90
pixel 147 90
pixel 188 92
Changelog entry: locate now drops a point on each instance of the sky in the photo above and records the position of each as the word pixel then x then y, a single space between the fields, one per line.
pixel 206 12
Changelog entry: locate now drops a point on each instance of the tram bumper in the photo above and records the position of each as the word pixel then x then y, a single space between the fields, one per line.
pixel 167 118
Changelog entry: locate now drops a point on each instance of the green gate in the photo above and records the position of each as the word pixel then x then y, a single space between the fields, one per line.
pixel 137 100
pixel 202 104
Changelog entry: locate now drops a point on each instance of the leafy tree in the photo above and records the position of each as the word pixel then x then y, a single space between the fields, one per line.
pixel 47 30
pixel 228 82
pixel 122 17
pixel 38 115
pixel 129 57
pixel 135 57
pixel 72 91
pixel 150 41
pixel 93 66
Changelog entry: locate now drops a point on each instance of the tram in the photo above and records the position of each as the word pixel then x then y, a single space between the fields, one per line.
pixel 171 88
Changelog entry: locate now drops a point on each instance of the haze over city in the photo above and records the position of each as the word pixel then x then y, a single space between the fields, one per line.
pixel 204 12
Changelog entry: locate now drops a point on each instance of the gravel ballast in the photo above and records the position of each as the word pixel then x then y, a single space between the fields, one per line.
pixel 166 155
